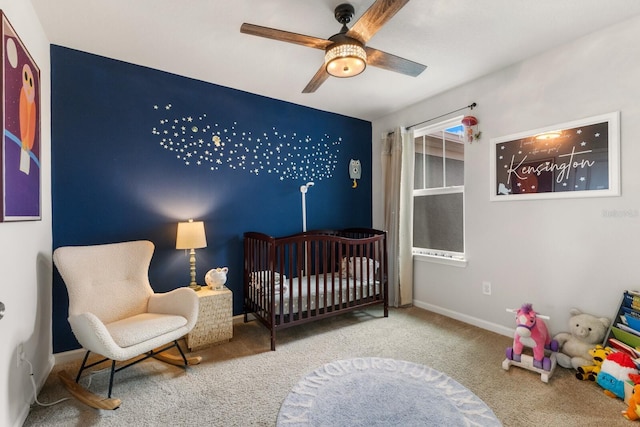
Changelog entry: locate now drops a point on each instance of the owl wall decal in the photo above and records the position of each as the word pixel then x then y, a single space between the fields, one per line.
pixel 355 172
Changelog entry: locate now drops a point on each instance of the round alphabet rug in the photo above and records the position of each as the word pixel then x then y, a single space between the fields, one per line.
pixel 382 392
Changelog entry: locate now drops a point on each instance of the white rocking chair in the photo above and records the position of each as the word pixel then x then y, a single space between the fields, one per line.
pixel 114 312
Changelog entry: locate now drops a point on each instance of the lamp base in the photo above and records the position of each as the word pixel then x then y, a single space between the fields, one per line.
pixel 195 287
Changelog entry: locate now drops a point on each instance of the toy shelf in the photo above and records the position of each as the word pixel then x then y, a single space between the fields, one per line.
pixel 624 332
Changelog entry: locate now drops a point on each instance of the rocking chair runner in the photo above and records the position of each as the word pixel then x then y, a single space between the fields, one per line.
pixel 114 312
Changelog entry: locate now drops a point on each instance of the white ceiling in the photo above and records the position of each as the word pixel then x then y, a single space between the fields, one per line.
pixel 459 40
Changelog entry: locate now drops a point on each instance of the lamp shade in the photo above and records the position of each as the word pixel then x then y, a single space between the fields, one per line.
pixel 346 57
pixel 191 235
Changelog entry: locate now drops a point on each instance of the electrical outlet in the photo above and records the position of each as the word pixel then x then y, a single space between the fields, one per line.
pixel 20 354
pixel 486 288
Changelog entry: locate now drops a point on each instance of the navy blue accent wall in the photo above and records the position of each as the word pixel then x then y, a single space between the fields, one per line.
pixel 135 150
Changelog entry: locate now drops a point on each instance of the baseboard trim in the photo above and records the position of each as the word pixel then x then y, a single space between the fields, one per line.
pixel 22 416
pixel 40 380
pixel 69 356
pixel 238 319
pixel 483 324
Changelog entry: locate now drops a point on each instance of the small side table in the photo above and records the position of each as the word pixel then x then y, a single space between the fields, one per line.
pixel 215 323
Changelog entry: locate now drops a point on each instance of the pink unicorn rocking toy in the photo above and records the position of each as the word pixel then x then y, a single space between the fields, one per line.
pixel 531 331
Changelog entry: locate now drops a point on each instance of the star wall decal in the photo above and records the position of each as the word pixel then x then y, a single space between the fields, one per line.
pixel 201 142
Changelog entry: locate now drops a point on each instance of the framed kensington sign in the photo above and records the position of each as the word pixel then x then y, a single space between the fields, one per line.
pixel 575 159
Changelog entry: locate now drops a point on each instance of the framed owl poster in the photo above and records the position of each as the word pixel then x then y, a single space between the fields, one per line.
pixel 20 155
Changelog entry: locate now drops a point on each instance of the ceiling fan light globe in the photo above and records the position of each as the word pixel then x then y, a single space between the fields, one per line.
pixel 345 60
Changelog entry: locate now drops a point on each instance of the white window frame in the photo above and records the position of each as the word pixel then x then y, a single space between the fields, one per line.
pixel 432 255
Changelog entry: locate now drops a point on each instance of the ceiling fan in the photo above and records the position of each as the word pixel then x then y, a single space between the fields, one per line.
pixel 346 53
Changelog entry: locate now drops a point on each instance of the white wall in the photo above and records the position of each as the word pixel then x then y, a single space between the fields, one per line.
pixel 25 254
pixel 555 254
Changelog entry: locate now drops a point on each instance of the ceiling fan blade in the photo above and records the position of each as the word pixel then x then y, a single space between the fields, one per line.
pixel 380 59
pixel 374 18
pixel 319 78
pixel 285 36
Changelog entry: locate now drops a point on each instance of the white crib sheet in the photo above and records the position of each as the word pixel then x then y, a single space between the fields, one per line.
pixel 351 290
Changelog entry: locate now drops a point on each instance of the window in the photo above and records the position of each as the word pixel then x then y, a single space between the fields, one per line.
pixel 438 190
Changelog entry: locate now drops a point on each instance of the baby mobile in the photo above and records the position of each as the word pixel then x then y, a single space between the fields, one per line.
pixel 470 124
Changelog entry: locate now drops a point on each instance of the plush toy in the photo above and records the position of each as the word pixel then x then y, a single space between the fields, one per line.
pixel 633 410
pixel 216 278
pixel 590 372
pixel 532 332
pixel 615 370
pixel 586 331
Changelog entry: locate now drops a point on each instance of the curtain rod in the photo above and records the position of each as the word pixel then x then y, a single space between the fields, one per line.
pixel 471 106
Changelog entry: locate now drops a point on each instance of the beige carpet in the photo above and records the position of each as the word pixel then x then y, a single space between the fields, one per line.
pixel 243 383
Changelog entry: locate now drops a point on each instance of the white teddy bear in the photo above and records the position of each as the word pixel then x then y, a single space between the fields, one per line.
pixel 586 331
pixel 216 277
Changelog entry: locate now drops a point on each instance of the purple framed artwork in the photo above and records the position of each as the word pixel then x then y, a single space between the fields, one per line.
pixel 20 155
pixel 575 159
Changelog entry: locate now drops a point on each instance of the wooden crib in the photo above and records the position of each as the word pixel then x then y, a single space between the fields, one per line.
pixel 312 275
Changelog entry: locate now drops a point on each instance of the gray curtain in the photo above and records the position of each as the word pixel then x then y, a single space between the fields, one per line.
pixel 397 177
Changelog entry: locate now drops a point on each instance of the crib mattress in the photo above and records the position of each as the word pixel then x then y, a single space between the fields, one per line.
pixel 309 292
